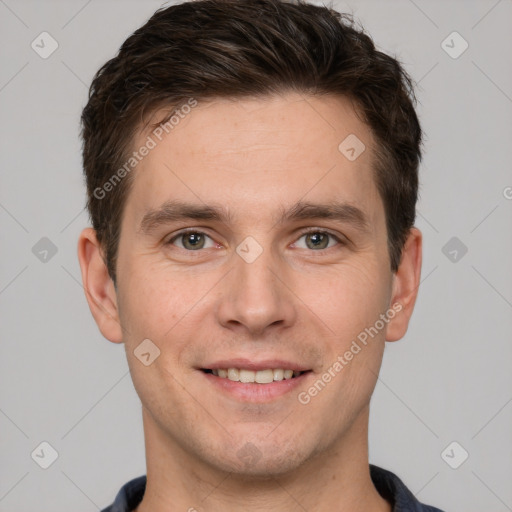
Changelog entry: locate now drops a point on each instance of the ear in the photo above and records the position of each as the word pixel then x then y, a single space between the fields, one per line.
pixel 99 288
pixel 405 286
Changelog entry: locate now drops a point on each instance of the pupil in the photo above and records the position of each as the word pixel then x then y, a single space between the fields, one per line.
pixel 317 239
pixel 193 239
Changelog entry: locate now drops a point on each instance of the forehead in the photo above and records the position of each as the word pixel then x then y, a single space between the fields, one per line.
pixel 259 155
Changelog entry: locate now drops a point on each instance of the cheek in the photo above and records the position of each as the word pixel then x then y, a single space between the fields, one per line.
pixel 156 309
pixel 156 292
pixel 347 299
pixel 153 308
pixel 168 307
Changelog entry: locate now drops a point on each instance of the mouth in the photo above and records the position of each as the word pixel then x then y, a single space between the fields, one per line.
pixel 259 386
pixel 247 376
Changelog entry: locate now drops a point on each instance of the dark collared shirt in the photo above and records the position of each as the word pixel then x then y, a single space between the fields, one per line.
pixel 389 486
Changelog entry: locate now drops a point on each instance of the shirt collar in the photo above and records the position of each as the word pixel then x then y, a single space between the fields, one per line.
pixel 389 486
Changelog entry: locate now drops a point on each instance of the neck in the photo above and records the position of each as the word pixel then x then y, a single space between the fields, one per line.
pixel 334 479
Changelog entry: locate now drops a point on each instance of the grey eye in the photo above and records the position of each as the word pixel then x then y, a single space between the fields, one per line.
pixel 191 241
pixel 317 240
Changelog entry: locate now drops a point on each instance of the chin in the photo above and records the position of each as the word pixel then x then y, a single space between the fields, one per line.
pixel 257 460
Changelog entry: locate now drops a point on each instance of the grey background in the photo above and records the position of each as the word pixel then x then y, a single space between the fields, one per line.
pixel 448 380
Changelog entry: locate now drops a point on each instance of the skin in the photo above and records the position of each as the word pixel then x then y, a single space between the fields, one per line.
pixel 294 302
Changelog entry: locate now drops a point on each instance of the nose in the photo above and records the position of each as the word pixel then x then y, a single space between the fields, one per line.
pixel 256 296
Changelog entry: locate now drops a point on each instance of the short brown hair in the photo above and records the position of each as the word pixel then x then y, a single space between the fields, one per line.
pixel 245 48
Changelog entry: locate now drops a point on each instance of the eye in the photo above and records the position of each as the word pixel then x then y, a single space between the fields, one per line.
pixel 191 240
pixel 317 239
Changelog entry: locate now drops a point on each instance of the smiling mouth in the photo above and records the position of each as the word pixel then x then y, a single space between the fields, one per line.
pixel 259 377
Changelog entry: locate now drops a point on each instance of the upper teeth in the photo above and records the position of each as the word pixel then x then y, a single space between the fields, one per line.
pixel 260 376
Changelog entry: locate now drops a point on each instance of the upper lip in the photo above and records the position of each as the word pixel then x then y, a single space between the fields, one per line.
pixel 251 364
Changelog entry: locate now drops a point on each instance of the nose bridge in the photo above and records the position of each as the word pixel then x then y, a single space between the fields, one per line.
pixel 254 295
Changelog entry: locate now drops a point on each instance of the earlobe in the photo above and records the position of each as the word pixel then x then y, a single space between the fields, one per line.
pixel 98 286
pixel 405 286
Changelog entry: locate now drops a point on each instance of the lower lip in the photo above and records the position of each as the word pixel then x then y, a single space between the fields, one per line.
pixel 254 392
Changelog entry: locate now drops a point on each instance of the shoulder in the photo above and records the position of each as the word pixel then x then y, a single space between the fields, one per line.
pixel 395 491
pixel 129 496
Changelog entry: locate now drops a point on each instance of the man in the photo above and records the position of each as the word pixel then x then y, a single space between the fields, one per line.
pixel 251 170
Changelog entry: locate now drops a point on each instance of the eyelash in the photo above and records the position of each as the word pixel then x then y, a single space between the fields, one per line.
pixel 301 234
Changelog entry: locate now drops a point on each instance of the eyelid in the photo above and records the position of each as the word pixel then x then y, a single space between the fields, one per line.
pixel 184 232
pixel 339 238
pixel 324 231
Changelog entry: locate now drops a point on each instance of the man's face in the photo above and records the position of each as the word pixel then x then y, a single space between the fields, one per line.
pixel 215 296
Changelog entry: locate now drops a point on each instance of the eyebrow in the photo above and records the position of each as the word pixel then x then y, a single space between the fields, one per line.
pixel 176 210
